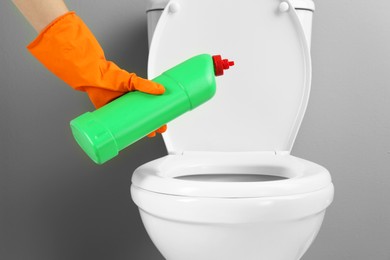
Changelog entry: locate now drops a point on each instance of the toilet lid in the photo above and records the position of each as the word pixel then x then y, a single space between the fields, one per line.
pixel 260 102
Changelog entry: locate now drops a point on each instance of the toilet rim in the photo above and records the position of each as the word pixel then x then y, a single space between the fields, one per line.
pixel 302 176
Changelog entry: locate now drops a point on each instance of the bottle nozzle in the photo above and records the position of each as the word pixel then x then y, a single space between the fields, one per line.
pixel 221 64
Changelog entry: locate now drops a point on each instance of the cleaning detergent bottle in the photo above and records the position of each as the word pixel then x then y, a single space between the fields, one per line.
pixel 113 127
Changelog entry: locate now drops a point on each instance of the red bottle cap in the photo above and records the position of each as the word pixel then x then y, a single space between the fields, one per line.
pixel 221 64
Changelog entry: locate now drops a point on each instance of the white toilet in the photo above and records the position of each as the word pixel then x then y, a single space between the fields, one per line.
pixel 229 188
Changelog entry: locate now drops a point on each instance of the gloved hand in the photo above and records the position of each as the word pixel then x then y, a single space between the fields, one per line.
pixel 69 50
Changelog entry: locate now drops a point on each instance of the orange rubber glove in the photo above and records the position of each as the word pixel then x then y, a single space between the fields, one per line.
pixel 69 50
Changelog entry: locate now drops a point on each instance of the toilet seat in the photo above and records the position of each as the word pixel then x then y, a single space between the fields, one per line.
pixel 302 176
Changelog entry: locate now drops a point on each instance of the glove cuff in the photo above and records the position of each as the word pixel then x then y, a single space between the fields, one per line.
pixel 44 30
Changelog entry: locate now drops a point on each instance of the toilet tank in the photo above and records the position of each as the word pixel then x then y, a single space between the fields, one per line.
pixel 304 8
pixel 154 9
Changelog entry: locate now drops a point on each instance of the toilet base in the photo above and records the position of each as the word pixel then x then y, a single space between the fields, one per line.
pixel 287 240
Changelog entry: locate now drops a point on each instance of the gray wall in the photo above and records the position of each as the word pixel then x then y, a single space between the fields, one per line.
pixel 56 204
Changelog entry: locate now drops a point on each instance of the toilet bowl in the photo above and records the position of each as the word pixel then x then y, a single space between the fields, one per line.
pixel 232 205
pixel 229 188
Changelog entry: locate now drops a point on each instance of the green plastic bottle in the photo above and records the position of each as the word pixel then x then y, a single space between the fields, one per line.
pixel 120 123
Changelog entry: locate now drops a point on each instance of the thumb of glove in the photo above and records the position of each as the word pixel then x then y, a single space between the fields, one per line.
pixel 146 86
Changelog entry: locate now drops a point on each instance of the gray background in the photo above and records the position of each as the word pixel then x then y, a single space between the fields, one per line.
pixel 56 204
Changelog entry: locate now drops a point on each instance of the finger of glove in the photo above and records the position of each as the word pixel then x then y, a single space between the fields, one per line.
pixel 162 129
pixel 148 86
pixel 152 134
